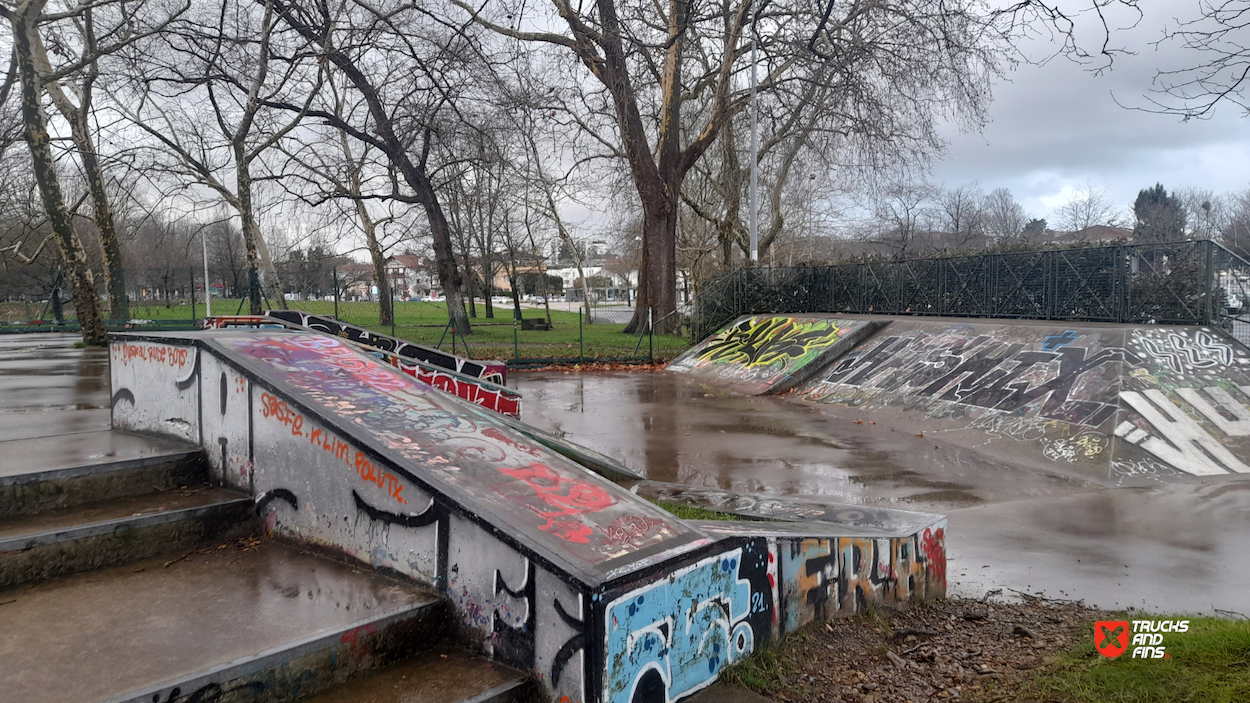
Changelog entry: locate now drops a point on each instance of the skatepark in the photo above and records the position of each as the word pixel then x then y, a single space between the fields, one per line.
pixel 875 461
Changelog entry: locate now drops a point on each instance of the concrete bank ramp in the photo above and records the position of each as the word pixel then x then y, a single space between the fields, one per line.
pixel 1111 403
pixel 548 566
pixel 763 354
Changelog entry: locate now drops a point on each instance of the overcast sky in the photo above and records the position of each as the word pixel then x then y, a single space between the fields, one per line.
pixel 1057 127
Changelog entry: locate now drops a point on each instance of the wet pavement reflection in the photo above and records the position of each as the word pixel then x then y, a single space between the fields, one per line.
pixel 670 428
pixel 1175 547
pixel 43 373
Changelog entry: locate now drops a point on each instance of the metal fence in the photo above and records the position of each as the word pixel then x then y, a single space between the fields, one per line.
pixel 165 298
pixel 1193 283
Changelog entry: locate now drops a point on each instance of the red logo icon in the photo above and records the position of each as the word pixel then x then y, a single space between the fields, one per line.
pixel 1111 637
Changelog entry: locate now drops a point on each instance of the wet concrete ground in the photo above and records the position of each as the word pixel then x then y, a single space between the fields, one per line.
pixel 240 603
pixel 1174 547
pixel 48 388
pixel 1177 547
pixel 54 406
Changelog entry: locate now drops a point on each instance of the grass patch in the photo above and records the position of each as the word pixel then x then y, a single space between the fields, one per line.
pixel 492 338
pixel 764 671
pixel 687 511
pixel 1208 664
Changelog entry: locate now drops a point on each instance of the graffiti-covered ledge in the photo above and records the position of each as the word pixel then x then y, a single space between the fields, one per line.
pixel 549 567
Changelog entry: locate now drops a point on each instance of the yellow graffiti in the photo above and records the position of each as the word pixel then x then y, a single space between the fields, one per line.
pixel 770 341
pixel 1088 444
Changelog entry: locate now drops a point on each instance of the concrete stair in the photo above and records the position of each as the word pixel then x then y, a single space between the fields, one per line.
pixel 38 474
pixel 441 675
pixel 125 577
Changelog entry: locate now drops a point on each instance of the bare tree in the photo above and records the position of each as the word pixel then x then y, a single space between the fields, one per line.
pixel 1206 213
pixel 335 168
pixel 1235 232
pixel 405 96
pixel 961 216
pixel 901 211
pixel 204 98
pixel 1004 217
pixel 546 204
pixel 1222 73
pixel 25 19
pixel 670 77
pixel 1085 209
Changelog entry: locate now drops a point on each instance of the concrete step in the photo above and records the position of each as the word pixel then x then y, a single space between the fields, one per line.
pixel 46 473
pixel 249 622
pixel 441 675
pixel 65 541
pixel 31 423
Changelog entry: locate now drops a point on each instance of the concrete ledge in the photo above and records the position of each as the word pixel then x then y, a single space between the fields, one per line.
pixel 46 553
pixel 304 667
pixel 38 491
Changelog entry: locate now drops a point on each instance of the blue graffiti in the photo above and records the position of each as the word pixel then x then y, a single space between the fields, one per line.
pixel 1058 341
pixel 672 637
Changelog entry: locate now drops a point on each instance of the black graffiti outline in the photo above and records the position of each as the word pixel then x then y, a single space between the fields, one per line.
pixel 209 693
pixel 184 383
pixel 120 395
pixel 264 499
pixel 571 646
pixel 761 344
pixel 432 513
pixel 517 642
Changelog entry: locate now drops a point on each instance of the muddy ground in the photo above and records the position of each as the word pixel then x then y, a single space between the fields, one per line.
pixel 944 650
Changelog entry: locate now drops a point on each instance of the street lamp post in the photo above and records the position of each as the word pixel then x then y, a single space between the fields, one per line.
pixel 208 293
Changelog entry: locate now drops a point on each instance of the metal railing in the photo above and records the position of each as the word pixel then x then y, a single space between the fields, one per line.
pixel 1191 283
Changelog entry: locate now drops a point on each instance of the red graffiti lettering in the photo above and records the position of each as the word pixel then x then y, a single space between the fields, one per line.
pixel 502 402
pixel 498 436
pixel 157 354
pixel 272 406
pixel 370 472
pixel 933 542
pixel 628 528
pixel 570 496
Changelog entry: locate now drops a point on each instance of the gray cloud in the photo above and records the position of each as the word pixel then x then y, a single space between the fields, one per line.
pixel 1057 127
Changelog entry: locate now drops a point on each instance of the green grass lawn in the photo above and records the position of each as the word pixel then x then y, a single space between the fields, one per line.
pixel 492 338
pixel 1208 664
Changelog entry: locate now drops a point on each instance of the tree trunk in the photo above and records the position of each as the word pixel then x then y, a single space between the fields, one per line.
pixel 110 247
pixel 86 302
pixel 257 251
pixel 577 259
pixel 470 289
pixel 444 256
pixel 386 314
pixel 512 283
pixel 542 273
pixel 413 175
pixel 657 290
pixel 488 277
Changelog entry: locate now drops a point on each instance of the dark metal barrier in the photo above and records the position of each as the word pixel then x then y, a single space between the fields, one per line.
pixel 1191 283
